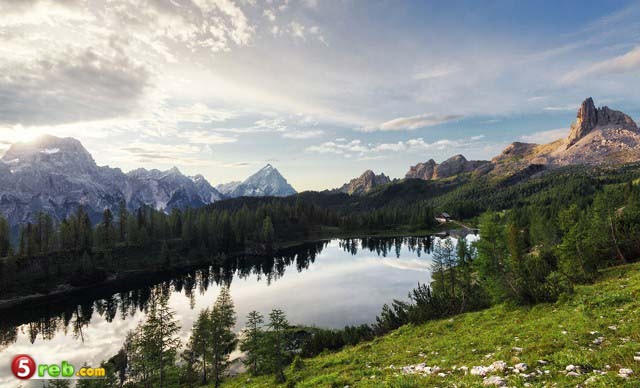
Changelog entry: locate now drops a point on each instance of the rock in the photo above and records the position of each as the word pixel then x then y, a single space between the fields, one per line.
pixel 588 118
pixel 590 380
pixel 625 372
pixel 495 381
pixel 364 183
pixel 455 165
pixel 573 374
pixel 422 171
pixel 636 358
pixel 521 367
pixel 571 368
pixel 498 366
pixel 598 340
pixel 479 371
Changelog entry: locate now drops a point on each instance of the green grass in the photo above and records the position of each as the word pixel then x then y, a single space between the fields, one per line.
pixel 559 333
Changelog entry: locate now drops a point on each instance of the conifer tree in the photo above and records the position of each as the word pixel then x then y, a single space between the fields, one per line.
pixel 277 352
pixel 223 339
pixel 252 342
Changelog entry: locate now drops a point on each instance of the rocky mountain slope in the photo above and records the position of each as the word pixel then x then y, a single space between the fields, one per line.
pixel 453 166
pixel 266 182
pixel 599 136
pixel 364 183
pixel 56 175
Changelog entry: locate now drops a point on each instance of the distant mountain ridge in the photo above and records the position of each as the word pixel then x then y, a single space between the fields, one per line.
pixel 453 166
pixel 56 175
pixel 266 182
pixel 364 183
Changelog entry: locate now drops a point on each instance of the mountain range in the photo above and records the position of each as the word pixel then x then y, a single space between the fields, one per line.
pixel 56 175
pixel 599 136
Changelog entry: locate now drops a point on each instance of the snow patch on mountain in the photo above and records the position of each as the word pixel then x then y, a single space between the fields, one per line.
pixel 56 175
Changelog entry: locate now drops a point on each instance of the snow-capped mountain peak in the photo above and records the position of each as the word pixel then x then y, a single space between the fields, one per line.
pixel 266 182
pixel 55 175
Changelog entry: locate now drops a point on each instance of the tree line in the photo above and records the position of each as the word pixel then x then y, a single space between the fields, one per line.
pixel 526 255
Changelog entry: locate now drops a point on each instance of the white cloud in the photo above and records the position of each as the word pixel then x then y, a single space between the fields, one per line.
pixel 303 134
pixel 545 136
pixel 436 72
pixel 411 123
pixel 628 62
pixel 297 30
pixel 568 107
pixel 206 137
pixel 269 14
pixel 356 147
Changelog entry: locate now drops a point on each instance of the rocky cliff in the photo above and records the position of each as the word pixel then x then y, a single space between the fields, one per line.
pixel 453 166
pixel 589 118
pixel 364 183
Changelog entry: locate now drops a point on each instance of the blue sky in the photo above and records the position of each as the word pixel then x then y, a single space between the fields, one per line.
pixel 320 89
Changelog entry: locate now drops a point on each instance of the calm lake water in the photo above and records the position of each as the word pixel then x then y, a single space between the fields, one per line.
pixel 327 284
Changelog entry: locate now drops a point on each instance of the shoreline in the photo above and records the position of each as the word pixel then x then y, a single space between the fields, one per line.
pixel 146 277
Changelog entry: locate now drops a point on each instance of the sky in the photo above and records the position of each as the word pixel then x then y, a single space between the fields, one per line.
pixel 320 89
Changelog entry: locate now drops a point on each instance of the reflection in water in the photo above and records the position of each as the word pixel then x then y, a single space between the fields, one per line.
pixel 383 246
pixel 46 320
pixel 328 284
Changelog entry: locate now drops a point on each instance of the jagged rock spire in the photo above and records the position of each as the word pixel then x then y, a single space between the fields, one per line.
pixel 590 117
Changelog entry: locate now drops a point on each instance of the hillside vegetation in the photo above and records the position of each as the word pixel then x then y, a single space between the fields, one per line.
pixel 584 339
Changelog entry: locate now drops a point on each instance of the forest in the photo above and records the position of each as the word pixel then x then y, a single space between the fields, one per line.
pixel 539 238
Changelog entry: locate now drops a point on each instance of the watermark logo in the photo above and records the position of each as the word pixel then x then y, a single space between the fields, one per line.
pixel 24 368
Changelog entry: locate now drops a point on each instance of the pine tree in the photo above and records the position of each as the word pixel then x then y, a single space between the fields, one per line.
pixel 160 336
pixel 107 228
pixel 277 353
pixel 491 261
pixel 223 339
pixel 268 232
pixel 123 216
pixel 200 342
pixel 438 266
pixel 252 342
pixel 5 237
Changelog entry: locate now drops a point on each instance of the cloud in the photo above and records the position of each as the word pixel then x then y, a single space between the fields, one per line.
pixel 205 137
pixel 411 123
pixel 436 72
pixel 628 62
pixel 303 134
pixel 568 107
pixel 297 30
pixel 162 153
pixel 545 136
pixel 73 86
pixel 269 14
pixel 356 147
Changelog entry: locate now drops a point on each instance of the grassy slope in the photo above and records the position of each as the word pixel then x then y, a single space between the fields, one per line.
pixel 559 333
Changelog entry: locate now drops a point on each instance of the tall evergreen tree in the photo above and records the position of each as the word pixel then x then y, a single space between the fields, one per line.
pixel 5 237
pixel 278 324
pixel 160 336
pixel 223 339
pixel 252 341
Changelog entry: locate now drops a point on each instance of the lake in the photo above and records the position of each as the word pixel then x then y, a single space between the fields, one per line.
pixel 327 284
